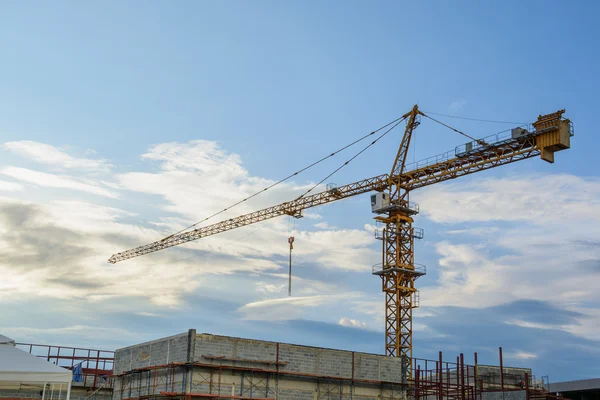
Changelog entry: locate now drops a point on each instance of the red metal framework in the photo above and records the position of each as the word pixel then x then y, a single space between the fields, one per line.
pixel 441 379
pixel 438 379
pixel 96 365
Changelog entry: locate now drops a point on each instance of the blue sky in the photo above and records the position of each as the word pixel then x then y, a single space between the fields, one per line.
pixel 121 122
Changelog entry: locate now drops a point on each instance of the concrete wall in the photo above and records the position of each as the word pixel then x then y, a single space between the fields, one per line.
pixel 506 395
pixel 248 368
pixel 296 358
pixel 512 376
pixel 157 352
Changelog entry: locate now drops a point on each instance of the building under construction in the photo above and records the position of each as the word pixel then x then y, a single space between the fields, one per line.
pixel 209 366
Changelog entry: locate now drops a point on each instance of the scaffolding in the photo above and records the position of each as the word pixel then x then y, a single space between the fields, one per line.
pixel 175 381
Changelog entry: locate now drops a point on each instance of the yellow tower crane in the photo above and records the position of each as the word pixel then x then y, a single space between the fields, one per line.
pixel 398 272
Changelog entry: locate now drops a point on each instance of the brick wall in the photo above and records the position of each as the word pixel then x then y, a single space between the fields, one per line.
pixel 303 359
pixel 156 352
pixel 231 358
pixel 506 395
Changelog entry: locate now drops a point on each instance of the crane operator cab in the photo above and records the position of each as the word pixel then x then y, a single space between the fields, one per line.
pixel 379 201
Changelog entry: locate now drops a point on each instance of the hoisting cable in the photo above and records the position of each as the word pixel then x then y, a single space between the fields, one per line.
pixel 285 179
pixel 479 141
pixel 291 242
pixel 351 159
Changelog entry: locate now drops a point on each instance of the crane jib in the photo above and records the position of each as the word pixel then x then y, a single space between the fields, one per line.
pixel 441 168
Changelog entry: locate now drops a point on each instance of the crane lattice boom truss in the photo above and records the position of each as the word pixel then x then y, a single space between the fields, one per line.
pixel 496 154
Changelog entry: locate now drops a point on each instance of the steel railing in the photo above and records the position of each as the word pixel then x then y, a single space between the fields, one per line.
pixel 96 366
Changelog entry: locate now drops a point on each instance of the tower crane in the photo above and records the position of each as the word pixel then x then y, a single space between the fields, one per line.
pixel 398 272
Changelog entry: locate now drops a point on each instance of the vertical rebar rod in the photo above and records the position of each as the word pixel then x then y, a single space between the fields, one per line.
pixel 417 383
pixel 447 380
pixel 462 376
pixel 88 365
pixel 97 365
pixel 440 371
pixel 468 380
pixel 457 376
pixel 352 382
pixel 277 368
pixel 501 370
pixel 475 375
pixel 220 370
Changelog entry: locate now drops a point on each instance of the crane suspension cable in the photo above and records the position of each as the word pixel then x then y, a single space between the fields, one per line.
pixel 287 177
pixel 476 119
pixel 456 130
pixel 351 159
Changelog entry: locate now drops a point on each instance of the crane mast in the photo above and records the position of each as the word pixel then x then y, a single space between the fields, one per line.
pixel 398 271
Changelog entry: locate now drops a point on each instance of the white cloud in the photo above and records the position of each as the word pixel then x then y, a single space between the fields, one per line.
pixel 535 325
pixel 540 256
pixel 55 181
pixel 533 199
pixel 199 178
pixel 10 186
pixel 91 333
pixel 68 261
pixel 302 287
pixel 352 323
pixel 197 156
pixel 148 314
pixel 484 230
pixel 60 250
pixel 312 215
pixel 456 106
pixel 286 308
pixel 269 288
pixel 323 247
pixel 587 325
pixel 50 155
pixel 521 355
